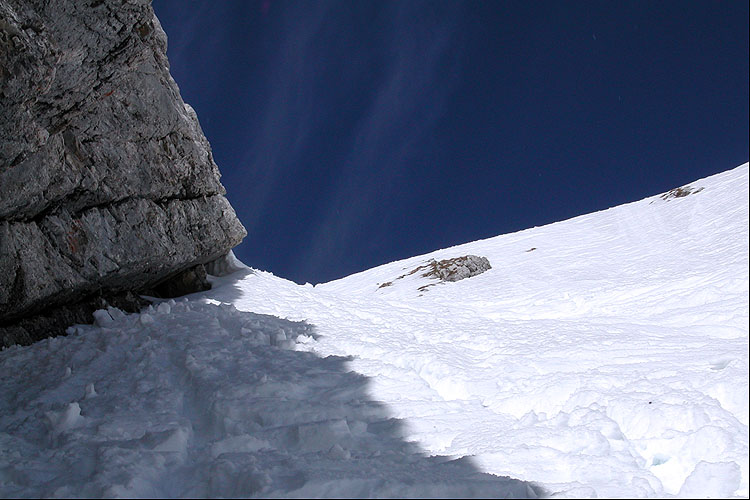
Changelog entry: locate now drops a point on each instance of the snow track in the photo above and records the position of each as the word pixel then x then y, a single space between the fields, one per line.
pixel 201 400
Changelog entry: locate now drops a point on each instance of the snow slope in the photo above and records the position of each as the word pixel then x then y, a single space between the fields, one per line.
pixel 611 360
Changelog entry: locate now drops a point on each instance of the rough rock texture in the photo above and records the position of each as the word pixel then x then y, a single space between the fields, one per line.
pixel 188 281
pixel 55 320
pixel 457 268
pixel 446 270
pixel 107 184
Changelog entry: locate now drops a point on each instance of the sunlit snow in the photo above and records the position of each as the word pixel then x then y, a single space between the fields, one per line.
pixel 603 356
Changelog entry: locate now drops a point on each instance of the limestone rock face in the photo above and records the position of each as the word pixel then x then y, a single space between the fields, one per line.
pixel 107 183
pixel 457 268
pixel 447 270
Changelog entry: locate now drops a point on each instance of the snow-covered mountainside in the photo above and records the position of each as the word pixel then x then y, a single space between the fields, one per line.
pixel 606 355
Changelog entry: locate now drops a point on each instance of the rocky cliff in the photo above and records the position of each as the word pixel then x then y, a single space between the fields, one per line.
pixel 107 183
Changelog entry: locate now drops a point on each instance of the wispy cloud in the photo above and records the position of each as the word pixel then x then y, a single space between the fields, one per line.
pixel 421 41
pixel 182 43
pixel 288 116
pixel 338 93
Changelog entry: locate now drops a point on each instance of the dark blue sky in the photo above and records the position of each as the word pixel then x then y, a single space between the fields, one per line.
pixel 350 134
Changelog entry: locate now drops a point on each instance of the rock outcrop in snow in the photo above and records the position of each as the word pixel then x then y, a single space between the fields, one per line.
pixel 457 268
pixel 445 270
pixel 107 183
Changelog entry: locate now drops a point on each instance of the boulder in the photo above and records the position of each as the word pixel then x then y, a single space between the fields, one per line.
pixel 457 268
pixel 107 183
pixel 446 270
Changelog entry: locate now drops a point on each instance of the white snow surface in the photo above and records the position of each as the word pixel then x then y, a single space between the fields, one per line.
pixel 610 361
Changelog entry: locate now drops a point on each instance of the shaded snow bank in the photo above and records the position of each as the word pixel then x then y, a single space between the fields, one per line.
pixel 201 400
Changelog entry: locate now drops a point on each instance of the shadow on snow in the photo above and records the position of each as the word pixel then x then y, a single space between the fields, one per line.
pixel 194 399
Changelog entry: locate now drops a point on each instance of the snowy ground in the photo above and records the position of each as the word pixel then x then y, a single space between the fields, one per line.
pixel 611 360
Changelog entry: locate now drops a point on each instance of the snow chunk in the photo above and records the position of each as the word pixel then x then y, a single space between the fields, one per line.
pixel 712 480
pixel 90 392
pixel 171 441
pixel 102 318
pixel 64 420
pixel 225 265
pixel 321 436
pixel 338 453
pixel 145 319
pixel 238 444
